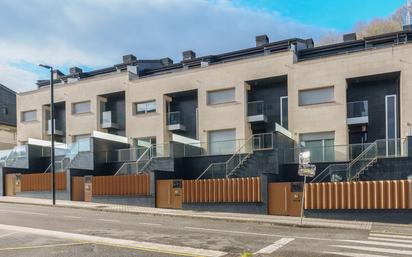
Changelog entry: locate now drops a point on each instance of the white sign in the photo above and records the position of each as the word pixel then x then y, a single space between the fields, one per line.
pixel 304 158
pixel 308 170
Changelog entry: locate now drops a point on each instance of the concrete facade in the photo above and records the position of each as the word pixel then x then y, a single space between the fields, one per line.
pixel 332 70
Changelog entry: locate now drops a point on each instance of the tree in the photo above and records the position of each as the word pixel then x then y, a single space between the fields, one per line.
pixel 374 27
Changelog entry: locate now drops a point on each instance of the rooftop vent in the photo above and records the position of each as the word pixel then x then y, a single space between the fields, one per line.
pixel 349 37
pixel 166 61
pixel 189 55
pixel 129 58
pixel 262 40
pixel 57 74
pixel 75 70
pixel 309 43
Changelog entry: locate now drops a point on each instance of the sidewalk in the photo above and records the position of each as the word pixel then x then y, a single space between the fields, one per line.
pixel 252 218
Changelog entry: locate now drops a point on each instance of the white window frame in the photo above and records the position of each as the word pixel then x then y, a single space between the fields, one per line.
pixel 79 113
pixel 314 89
pixel 221 90
pixel 386 124
pixel 135 112
pixel 22 116
pixel 281 109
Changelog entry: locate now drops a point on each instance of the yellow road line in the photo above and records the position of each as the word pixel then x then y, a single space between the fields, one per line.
pixel 41 246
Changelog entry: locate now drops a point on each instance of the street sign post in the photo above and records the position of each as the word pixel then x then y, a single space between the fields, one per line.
pixel 305 170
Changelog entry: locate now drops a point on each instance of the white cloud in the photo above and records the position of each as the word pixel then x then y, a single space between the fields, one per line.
pixel 97 33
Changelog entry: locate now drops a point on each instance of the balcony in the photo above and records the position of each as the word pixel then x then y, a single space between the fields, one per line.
pixel 357 113
pixel 108 121
pixel 256 112
pixel 58 130
pixel 175 121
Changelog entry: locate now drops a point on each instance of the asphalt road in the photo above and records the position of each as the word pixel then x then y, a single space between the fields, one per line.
pixel 31 231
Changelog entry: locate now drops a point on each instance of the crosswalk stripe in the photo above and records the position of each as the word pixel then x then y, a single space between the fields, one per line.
pixel 378 243
pixel 390 236
pixel 375 249
pixel 275 246
pixel 355 254
pixel 390 240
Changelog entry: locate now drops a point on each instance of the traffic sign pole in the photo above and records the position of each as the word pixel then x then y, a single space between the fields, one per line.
pixel 303 200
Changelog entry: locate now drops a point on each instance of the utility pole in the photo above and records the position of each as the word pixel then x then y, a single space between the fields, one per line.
pixel 52 132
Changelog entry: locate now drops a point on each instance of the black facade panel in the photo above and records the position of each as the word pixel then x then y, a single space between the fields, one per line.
pixel 7 106
pixel 373 89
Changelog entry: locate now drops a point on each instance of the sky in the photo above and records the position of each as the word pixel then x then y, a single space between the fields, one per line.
pixel 94 34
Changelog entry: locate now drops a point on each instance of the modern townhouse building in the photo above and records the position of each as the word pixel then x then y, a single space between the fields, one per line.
pixel 7 118
pixel 244 114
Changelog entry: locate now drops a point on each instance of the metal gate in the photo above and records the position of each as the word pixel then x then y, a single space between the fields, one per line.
pixel 285 198
pixel 169 194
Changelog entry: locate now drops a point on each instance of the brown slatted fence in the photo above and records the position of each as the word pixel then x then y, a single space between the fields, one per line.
pixel 389 194
pixel 42 182
pixel 121 185
pixel 233 190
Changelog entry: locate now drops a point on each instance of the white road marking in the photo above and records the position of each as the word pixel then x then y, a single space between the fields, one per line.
pixel 378 243
pixel 155 247
pixel 72 217
pixel 390 236
pixel 390 240
pixel 149 224
pixel 109 220
pixel 275 246
pixel 375 249
pixel 8 234
pixel 257 234
pixel 355 254
pixel 25 212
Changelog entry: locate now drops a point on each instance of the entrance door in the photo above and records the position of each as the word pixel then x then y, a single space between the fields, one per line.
pixel 169 194
pixel 10 184
pixel 285 198
pixel 77 189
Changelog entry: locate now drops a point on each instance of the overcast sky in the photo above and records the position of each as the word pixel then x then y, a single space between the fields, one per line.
pixel 96 33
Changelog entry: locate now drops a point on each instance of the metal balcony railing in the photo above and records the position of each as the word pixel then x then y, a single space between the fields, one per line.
pixel 357 112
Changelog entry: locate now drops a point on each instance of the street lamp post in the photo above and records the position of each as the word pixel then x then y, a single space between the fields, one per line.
pixel 52 131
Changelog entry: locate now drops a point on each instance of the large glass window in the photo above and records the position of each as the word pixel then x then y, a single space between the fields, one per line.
pixel 320 145
pixel 29 116
pixel 284 111
pixel 391 125
pixel 222 141
pixel 145 107
pixel 81 107
pixel 221 96
pixel 316 96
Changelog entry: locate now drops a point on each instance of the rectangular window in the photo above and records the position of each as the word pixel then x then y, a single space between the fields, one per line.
pixel 391 126
pixel 29 116
pixel 222 141
pixel 221 96
pixel 145 107
pixel 81 107
pixel 316 96
pixel 284 111
pixel 320 145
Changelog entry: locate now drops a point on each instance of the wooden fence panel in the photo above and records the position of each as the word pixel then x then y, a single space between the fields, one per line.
pixel 42 182
pixel 395 194
pixel 233 190
pixel 130 185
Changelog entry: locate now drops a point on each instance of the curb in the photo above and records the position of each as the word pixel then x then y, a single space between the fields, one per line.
pixel 207 217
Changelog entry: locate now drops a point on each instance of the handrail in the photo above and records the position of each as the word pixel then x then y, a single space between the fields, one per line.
pixel 239 153
pixel 367 150
pixel 327 171
pixel 126 163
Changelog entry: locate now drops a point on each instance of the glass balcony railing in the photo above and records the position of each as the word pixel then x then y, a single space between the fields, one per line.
pixel 256 108
pixel 175 118
pixel 58 128
pixel 357 109
pixel 108 120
